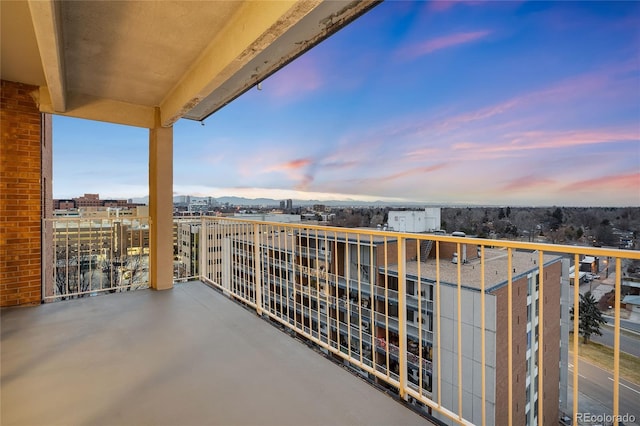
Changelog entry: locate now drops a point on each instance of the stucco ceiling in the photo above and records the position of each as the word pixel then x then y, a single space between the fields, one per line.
pixel 149 63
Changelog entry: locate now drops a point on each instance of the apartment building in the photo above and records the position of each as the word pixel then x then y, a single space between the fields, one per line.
pixel 188 233
pixel 96 254
pixel 92 200
pixel 345 292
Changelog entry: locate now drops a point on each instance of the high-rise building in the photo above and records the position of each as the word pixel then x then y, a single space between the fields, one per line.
pixel 188 247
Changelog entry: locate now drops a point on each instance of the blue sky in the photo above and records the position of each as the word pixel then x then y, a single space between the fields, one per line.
pixel 484 102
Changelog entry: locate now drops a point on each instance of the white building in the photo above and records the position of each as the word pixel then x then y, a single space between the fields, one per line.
pixel 415 220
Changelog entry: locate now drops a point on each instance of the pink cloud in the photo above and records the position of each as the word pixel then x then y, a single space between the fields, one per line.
pixel 296 170
pixel 305 182
pixel 452 40
pixel 527 183
pixel 290 165
pixel 627 181
pixel 442 5
pixel 527 141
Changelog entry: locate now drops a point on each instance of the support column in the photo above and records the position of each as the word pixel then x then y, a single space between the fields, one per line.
pixel 161 207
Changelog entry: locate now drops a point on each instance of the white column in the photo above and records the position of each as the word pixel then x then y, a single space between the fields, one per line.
pixel 161 207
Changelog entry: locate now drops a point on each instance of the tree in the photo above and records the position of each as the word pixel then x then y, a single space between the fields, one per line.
pixel 72 273
pixel 590 317
pixel 604 233
pixel 135 271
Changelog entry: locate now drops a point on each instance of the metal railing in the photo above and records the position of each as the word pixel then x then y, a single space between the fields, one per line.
pixel 87 256
pixel 186 248
pixel 470 339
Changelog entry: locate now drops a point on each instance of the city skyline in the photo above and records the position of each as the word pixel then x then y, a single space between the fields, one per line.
pixel 502 103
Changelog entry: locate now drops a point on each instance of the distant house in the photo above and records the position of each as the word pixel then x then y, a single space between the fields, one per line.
pixel 589 264
pixel 632 303
pixel 582 276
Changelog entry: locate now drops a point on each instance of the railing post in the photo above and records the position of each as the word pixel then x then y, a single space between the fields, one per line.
pixel 203 242
pixel 402 316
pixel 616 344
pixel 160 206
pixel 257 266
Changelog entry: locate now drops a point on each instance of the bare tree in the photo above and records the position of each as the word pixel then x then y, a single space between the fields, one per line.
pixel 135 268
pixel 72 273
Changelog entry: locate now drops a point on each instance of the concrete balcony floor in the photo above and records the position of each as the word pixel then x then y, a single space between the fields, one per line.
pixel 187 356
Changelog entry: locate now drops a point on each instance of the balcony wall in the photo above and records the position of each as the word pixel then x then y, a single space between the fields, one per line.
pixel 25 184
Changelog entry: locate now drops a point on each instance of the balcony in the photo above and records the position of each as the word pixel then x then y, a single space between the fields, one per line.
pixel 185 356
pixel 453 340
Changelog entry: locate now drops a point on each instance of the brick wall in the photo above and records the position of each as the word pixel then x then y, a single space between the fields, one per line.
pixel 551 373
pixel 519 348
pixel 21 197
pixel 551 351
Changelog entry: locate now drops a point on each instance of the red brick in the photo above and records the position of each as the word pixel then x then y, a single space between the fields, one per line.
pixel 20 200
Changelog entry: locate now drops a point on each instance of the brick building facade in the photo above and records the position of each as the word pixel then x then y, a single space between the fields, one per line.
pixel 25 182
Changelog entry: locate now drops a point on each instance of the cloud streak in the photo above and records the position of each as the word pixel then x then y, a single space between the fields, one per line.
pixel 452 40
pixel 625 181
pixel 552 141
pixel 444 5
pixel 527 183
pixel 292 165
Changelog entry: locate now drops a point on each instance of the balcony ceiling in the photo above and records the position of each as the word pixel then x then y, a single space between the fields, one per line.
pixel 146 63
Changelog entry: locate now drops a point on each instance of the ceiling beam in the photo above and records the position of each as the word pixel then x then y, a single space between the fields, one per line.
pixel 100 109
pixel 317 25
pixel 253 28
pixel 47 25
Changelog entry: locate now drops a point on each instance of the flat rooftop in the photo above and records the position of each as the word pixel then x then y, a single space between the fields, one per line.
pixel 496 268
pixel 186 356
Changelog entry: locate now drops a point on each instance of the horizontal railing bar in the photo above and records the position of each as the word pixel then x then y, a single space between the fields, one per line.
pixel 547 247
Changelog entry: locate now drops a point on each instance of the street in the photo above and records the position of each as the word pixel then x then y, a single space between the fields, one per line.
pixel 629 325
pixel 628 343
pixel 595 387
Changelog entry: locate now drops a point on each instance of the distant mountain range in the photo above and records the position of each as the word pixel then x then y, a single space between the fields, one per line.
pixel 269 202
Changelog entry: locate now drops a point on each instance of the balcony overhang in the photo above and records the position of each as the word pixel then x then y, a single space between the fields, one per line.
pixel 120 62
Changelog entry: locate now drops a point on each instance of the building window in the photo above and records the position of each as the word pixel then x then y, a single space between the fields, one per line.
pixel 359 267
pixel 411 287
pixel 410 315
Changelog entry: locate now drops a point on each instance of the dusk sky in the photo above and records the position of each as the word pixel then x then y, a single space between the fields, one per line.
pixel 484 102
